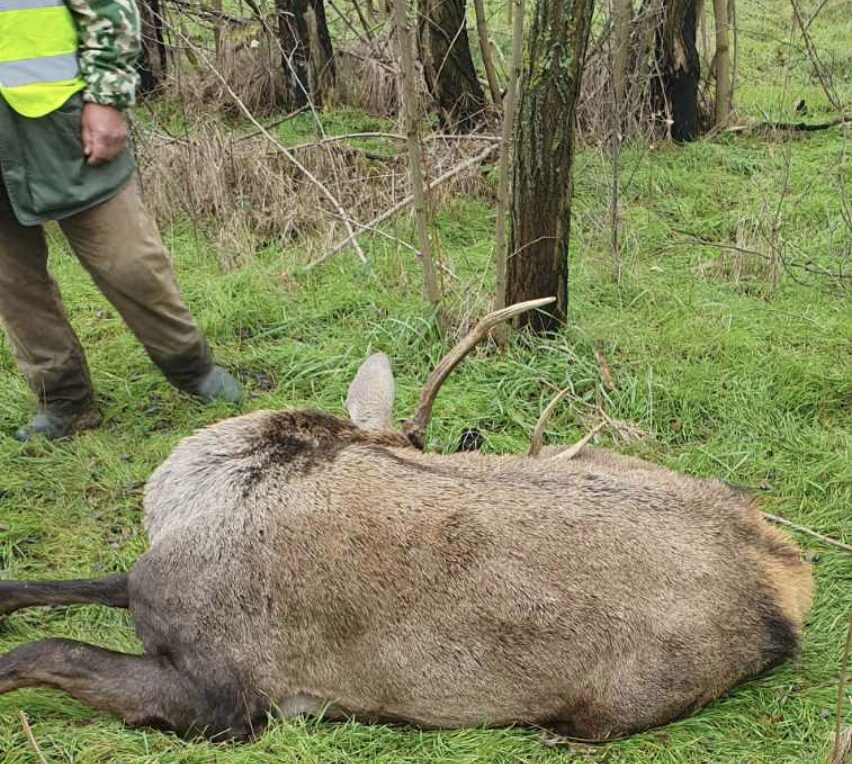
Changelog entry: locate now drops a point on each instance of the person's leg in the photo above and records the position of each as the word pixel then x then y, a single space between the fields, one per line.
pixel 119 244
pixel 45 347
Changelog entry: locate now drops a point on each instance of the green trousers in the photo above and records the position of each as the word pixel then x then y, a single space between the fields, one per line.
pixel 117 242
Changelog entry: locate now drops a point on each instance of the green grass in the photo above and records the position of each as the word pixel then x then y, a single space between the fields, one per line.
pixel 732 379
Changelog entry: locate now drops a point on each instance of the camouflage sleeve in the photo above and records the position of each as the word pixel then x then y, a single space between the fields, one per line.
pixel 110 42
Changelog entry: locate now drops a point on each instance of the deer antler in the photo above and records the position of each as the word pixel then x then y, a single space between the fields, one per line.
pixel 414 428
pixel 538 431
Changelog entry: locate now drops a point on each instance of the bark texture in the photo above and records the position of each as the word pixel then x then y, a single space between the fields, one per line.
pixel 448 67
pixel 722 63
pixel 307 54
pixel 544 152
pixel 679 68
pixel 153 63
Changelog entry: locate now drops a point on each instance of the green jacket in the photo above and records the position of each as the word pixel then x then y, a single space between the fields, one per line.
pixel 42 165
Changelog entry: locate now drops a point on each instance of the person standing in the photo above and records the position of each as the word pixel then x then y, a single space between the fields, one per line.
pixel 67 73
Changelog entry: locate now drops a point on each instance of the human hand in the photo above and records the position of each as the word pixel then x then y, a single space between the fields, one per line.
pixel 104 133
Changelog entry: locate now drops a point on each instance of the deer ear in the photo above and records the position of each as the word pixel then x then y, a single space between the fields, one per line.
pixel 371 394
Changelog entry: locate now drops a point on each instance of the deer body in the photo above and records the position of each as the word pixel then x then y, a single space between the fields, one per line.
pixel 326 567
pixel 302 563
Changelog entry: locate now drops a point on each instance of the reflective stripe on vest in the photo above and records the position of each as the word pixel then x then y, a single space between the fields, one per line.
pixel 39 70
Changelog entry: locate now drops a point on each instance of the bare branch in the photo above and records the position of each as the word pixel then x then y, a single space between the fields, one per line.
pixel 485 49
pixel 402 204
pixel 414 428
pixel 822 75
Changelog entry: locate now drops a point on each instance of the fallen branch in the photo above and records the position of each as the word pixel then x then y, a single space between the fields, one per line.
pixel 538 430
pixel 571 452
pixel 802 529
pixel 346 136
pixel 401 205
pixel 792 126
pixel 29 733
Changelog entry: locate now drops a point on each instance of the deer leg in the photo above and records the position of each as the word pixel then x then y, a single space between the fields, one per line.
pixel 143 690
pixel 111 591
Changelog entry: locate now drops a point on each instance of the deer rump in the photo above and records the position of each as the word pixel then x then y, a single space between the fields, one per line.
pixel 303 563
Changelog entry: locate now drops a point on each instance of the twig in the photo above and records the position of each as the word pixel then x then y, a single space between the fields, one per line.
pixel 346 136
pixel 571 452
pixel 603 365
pixel 367 24
pixel 29 733
pixel 838 753
pixel 538 430
pixel 348 24
pixel 401 205
pixel 802 529
pixel 285 118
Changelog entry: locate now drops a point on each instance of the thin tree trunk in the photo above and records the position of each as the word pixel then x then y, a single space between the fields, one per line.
pixel 408 88
pixel 544 153
pixel 722 63
pixel 732 21
pixel 448 67
pixel 485 49
pixel 153 63
pixel 500 332
pixel 678 68
pixel 622 13
pixel 306 51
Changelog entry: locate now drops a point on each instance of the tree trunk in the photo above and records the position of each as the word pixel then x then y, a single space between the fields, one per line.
pixel 307 54
pixel 544 152
pixel 152 65
pixel 678 68
pixel 448 67
pixel 722 63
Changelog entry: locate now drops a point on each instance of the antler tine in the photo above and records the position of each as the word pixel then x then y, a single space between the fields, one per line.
pixel 544 418
pixel 414 428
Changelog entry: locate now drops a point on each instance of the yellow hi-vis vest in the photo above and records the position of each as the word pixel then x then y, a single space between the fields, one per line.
pixel 39 70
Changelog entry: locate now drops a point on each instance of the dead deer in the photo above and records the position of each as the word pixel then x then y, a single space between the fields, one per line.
pixel 300 563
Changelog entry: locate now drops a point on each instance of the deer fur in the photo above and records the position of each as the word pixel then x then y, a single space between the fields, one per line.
pixel 303 563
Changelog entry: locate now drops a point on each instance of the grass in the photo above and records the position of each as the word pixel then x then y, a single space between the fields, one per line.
pixel 732 377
